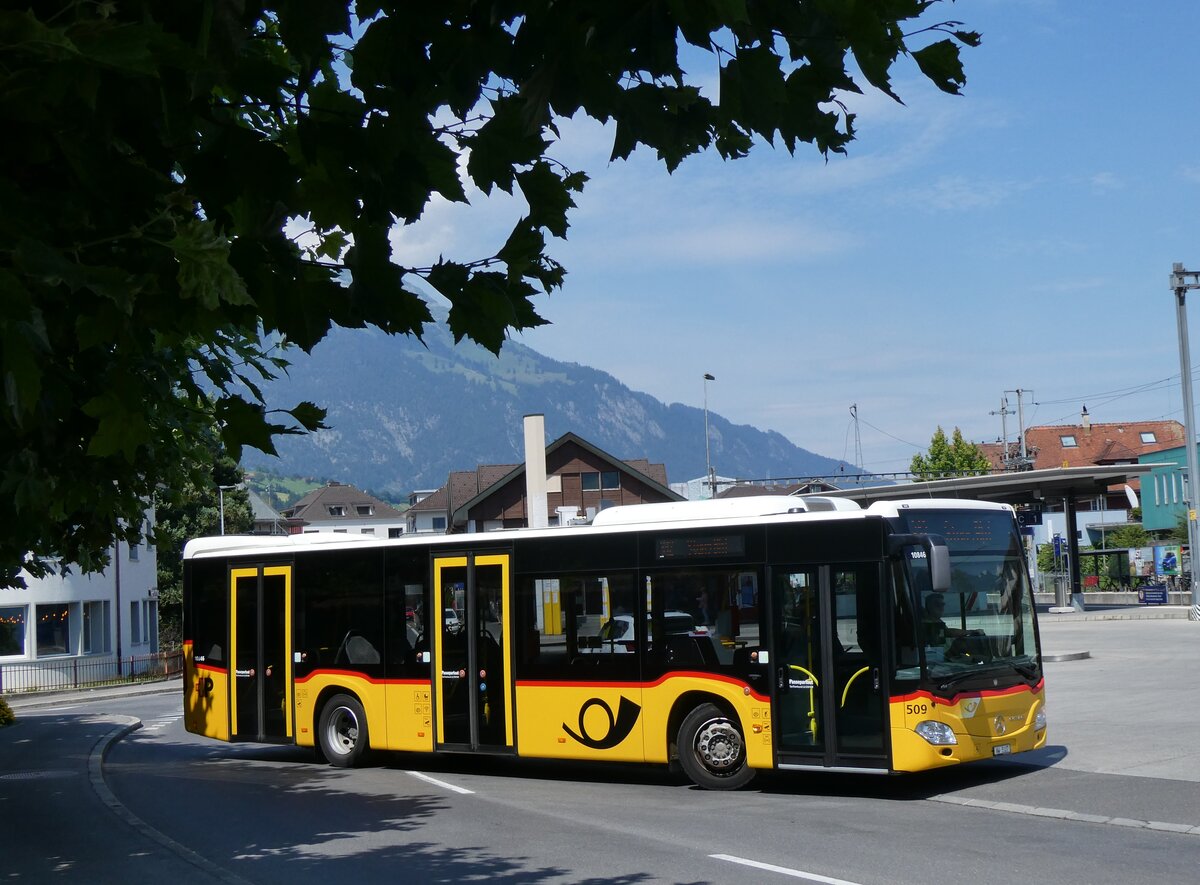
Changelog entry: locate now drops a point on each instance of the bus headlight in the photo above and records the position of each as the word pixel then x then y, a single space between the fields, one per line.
pixel 937 733
pixel 1039 720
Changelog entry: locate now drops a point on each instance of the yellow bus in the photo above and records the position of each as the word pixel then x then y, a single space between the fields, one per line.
pixel 722 636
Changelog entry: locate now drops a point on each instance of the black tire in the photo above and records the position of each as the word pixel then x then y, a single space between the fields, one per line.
pixel 342 732
pixel 712 750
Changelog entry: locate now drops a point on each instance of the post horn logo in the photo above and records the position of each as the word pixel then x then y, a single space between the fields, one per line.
pixel 619 726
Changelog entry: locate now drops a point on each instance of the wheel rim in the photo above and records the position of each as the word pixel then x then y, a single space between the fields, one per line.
pixel 342 731
pixel 718 746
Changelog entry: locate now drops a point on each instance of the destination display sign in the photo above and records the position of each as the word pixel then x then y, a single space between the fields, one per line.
pixel 707 547
pixel 964 530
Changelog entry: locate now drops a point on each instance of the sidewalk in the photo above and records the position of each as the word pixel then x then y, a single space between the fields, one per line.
pixel 1115 613
pixel 34 700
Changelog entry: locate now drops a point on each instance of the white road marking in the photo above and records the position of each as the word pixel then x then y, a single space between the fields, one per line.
pixel 161 723
pixel 783 871
pixel 437 783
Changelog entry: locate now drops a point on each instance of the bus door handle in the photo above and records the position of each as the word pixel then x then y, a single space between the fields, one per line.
pixel 875 678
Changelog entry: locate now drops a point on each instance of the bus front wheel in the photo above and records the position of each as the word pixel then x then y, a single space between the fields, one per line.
pixel 342 732
pixel 712 750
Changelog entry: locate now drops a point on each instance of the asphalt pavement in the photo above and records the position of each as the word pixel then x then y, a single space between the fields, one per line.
pixel 1122 699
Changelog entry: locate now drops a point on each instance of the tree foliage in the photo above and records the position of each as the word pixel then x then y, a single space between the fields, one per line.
pixel 184 181
pixel 947 458
pixel 192 511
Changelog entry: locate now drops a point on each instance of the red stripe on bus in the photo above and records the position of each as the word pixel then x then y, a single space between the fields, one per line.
pixel 374 680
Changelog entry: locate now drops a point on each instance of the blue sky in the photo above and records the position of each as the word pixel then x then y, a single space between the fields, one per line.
pixel 1018 236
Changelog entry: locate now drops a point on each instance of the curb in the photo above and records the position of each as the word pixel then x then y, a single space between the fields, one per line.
pixel 1063 814
pixel 1066 656
pixel 96 774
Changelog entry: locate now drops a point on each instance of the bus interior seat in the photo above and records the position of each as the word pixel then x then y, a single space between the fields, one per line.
pixel 356 649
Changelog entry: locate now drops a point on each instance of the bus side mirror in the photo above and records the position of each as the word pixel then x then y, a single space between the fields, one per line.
pixel 939 563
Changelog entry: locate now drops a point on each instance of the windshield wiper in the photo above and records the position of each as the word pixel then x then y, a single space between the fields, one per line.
pixel 1028 670
pixel 988 668
pixel 944 682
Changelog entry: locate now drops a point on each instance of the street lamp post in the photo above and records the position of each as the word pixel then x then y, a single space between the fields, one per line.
pixel 221 490
pixel 1181 281
pixel 712 477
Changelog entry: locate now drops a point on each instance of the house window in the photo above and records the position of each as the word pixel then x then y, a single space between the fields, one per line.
pixel 12 630
pixel 589 482
pixel 336 510
pixel 53 629
pixel 1068 441
pixel 395 532
pixel 96 637
pixel 610 479
pixel 439 523
pixel 135 623
pixel 364 509
pixel 366 531
pixel 1148 436
pixel 133 552
pixel 151 631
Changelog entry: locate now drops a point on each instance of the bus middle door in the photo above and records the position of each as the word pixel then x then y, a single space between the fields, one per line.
pixel 260 604
pixel 472 614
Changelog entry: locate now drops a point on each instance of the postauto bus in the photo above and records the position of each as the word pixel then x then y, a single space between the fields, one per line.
pixel 725 636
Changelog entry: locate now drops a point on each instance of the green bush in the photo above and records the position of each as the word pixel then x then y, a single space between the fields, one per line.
pixel 6 714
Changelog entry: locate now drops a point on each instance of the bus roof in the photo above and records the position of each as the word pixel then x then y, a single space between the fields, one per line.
pixel 680 514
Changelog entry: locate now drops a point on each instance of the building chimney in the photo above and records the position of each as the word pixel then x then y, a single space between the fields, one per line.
pixel 1086 418
pixel 536 509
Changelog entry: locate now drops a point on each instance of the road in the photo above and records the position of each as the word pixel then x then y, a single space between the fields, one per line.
pixel 1110 801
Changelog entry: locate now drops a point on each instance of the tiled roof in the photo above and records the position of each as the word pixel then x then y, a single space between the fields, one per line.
pixel 465 486
pixel 1099 443
pixel 315 506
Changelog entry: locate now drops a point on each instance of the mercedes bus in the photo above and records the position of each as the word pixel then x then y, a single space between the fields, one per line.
pixel 726 637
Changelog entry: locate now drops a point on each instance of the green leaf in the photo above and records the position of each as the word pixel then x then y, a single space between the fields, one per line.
pixel 940 62
pixel 205 273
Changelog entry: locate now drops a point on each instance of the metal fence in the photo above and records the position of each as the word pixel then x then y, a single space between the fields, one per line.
pixel 88 672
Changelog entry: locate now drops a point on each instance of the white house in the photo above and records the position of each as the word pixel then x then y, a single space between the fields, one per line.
pixel 338 507
pixel 67 629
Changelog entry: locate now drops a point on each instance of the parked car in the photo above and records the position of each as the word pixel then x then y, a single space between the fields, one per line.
pixel 453 622
pixel 617 635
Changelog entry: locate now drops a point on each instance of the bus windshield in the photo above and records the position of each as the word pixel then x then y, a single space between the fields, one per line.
pixel 985 621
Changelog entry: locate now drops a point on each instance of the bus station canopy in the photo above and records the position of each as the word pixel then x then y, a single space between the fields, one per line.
pixel 1021 487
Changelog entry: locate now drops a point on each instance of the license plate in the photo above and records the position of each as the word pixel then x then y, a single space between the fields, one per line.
pixel 1001 749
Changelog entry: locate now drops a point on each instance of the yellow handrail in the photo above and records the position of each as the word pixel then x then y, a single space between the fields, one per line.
pixel 812 706
pixel 850 682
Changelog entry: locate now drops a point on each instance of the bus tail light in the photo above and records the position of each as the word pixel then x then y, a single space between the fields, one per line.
pixel 937 733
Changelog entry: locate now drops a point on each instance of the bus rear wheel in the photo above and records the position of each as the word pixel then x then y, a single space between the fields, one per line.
pixel 712 750
pixel 342 732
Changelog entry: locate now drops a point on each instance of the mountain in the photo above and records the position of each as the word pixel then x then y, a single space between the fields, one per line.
pixel 403 414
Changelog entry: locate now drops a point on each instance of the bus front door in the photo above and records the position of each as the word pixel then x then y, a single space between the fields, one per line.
pixel 472 652
pixel 260 605
pixel 830 698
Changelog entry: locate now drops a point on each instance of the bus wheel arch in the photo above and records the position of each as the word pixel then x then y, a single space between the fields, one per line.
pixel 341 727
pixel 709 742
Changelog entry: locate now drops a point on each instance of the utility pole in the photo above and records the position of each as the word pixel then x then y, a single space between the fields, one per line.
pixel 1181 281
pixel 1024 462
pixel 708 468
pixel 1005 459
pixel 858 454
